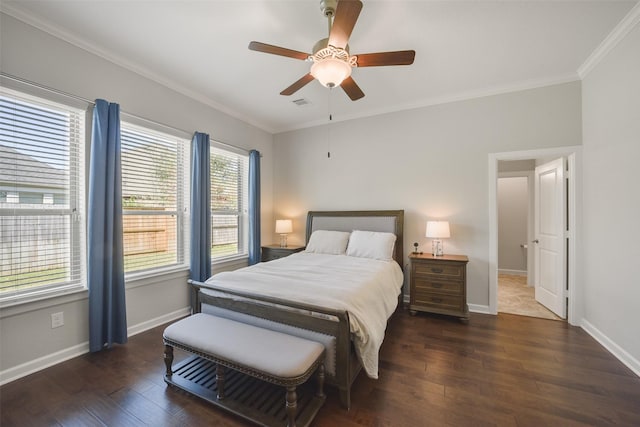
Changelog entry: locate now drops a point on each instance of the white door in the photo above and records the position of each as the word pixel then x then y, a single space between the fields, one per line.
pixel 549 243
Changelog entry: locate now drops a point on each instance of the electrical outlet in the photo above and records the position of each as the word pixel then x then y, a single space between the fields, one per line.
pixel 57 319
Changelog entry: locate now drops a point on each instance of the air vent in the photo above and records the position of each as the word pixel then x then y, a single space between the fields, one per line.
pixel 301 102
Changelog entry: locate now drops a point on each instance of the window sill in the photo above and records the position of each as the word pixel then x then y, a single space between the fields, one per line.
pixel 228 263
pixel 19 304
pixel 145 278
pixel 12 306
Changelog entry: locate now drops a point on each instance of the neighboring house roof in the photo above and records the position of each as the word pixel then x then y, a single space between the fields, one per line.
pixel 26 171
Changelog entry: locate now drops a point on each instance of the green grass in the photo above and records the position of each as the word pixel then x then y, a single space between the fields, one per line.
pixel 31 279
pixel 148 260
pixel 226 249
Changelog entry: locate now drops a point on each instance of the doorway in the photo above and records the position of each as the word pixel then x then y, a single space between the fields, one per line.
pixel 572 291
pixel 516 268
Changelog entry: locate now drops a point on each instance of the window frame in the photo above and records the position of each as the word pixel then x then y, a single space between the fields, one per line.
pixel 76 254
pixel 242 211
pixel 183 144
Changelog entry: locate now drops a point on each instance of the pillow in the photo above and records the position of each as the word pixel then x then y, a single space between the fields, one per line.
pixel 371 244
pixel 328 242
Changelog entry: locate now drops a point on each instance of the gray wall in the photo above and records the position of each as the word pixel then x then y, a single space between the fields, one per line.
pixel 611 111
pixel 432 162
pixel 26 338
pixel 513 212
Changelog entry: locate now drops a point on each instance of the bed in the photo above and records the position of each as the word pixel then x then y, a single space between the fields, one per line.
pixel 272 294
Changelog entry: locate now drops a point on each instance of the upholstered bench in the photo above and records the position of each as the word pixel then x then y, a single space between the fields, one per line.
pixel 270 356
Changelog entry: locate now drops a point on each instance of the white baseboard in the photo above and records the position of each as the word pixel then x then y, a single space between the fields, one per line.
pixel 477 308
pixel 152 323
pixel 512 272
pixel 613 348
pixel 41 363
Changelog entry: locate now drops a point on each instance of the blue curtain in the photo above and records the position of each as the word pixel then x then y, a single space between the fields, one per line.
pixel 254 207
pixel 200 208
pixel 105 254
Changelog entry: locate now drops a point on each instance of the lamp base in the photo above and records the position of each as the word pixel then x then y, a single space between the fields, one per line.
pixel 437 248
pixel 283 240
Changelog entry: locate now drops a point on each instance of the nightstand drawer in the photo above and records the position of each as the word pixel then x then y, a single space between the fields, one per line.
pixel 450 271
pixel 438 284
pixel 438 301
pixel 450 287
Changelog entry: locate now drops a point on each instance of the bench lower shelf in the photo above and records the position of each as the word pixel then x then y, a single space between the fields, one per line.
pixel 245 396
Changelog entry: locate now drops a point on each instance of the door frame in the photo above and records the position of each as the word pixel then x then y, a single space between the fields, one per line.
pixel 574 160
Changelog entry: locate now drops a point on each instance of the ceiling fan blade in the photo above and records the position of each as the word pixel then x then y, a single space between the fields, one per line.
pixel 345 19
pixel 400 57
pixel 277 50
pixel 352 89
pixel 297 85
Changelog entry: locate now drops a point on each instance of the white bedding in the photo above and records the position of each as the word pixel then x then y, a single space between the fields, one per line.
pixel 367 289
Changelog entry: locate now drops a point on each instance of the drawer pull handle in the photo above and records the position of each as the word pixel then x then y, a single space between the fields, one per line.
pixel 437 270
pixel 438 300
pixel 437 285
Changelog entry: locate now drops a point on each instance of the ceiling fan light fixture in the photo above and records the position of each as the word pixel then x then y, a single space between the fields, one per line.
pixel 330 72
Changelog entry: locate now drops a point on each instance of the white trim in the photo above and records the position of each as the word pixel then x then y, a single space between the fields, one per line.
pixel 152 277
pixel 621 30
pixel 62 34
pixel 41 300
pixel 477 308
pixel 613 348
pixel 573 153
pixel 44 362
pixel 462 96
pixel 41 363
pixel 157 321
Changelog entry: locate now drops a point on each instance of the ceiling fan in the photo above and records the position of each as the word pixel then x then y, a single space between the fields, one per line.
pixel 332 62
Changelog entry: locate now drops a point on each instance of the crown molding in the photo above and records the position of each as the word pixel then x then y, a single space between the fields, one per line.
pixel 623 28
pixel 462 96
pixel 68 37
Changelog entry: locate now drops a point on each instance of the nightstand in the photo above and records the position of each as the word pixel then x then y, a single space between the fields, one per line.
pixel 439 284
pixel 271 252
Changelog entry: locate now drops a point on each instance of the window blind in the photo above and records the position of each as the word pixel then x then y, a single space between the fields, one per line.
pixel 229 199
pixel 154 188
pixel 41 195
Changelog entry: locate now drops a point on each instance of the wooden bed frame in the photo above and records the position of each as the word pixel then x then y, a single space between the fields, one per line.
pixel 347 365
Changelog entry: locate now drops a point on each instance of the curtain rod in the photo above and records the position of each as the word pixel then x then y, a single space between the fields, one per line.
pixel 90 102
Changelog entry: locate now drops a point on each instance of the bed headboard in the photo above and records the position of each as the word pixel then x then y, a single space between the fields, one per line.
pixel 389 221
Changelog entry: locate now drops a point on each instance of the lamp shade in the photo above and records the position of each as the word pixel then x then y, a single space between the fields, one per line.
pixel 438 229
pixel 283 226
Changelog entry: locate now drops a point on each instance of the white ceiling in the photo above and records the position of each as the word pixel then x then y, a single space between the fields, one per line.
pixel 463 49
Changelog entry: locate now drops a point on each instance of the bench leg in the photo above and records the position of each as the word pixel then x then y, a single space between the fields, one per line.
pixel 168 359
pixel 291 406
pixel 320 376
pixel 220 381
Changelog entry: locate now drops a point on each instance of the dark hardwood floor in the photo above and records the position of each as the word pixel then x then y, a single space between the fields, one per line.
pixel 497 370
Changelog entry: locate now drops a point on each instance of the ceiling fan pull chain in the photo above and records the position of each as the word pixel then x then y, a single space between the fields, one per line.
pixel 329 125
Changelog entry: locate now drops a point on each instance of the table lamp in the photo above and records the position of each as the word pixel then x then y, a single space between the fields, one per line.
pixel 437 230
pixel 283 227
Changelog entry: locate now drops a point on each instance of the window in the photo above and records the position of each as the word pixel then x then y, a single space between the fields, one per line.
pixel 229 198
pixel 154 198
pixel 41 196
